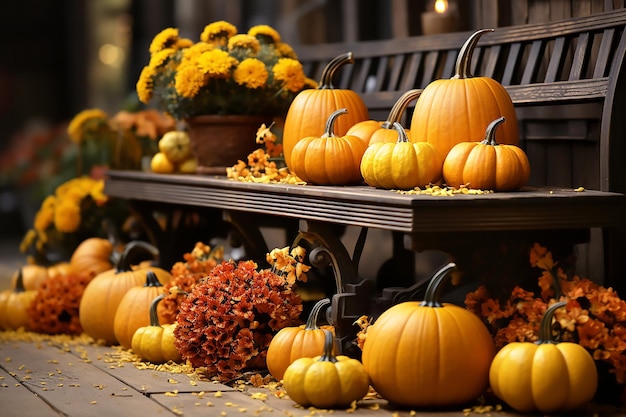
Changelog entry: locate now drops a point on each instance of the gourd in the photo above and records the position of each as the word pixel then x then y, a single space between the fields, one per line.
pixel 422 354
pixel 487 164
pixel 401 165
pixel 133 311
pixel 105 292
pixel 329 159
pixel 326 381
pixel 291 343
pixel 14 305
pixel 155 342
pixel 310 108
pixel 544 376
pixel 373 131
pixel 453 110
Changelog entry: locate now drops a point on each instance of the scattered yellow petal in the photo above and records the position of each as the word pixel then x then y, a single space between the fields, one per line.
pixel 259 396
pixel 217 394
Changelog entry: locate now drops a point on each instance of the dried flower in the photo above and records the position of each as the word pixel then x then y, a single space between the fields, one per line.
pixel 226 323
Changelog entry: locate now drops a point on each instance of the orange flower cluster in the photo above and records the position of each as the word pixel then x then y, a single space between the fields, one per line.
pixel 226 323
pixel 197 265
pixel 595 317
pixel 55 307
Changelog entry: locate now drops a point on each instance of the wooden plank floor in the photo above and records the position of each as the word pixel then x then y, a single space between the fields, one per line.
pixel 49 377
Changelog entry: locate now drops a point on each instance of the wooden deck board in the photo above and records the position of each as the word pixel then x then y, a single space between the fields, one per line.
pixel 13 396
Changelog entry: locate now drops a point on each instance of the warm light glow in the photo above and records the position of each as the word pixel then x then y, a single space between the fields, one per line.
pixel 441 6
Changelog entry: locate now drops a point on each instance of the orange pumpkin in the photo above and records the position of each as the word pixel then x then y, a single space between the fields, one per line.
pixel 105 292
pixel 487 165
pixel 14 305
pixel 92 256
pixel 32 276
pixel 329 159
pixel 310 108
pixel 291 343
pixel 458 109
pixel 374 132
pixel 133 311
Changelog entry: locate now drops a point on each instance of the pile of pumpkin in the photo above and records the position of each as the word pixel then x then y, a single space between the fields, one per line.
pixel 328 139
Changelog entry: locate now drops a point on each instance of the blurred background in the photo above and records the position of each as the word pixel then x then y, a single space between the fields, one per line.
pixel 61 57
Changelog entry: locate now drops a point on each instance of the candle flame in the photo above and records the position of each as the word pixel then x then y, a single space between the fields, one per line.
pixel 441 6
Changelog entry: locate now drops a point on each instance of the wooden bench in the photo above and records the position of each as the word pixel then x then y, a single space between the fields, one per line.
pixel 565 75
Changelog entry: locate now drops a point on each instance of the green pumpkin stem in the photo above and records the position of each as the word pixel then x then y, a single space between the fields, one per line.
pixel 330 122
pixel 326 81
pixel 124 263
pixel 154 316
pixel 311 323
pixel 433 291
pixel 490 133
pixel 329 344
pixel 399 106
pixel 152 280
pixel 402 137
pixel 464 60
pixel 545 327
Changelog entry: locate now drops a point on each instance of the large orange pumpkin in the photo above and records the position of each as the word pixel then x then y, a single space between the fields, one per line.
pixel 105 292
pixel 428 354
pixel 309 110
pixel 455 110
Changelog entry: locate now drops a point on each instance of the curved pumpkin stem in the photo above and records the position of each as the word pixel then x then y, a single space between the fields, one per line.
pixel 152 280
pixel 311 323
pixel 490 133
pixel 154 316
pixel 545 327
pixel 402 137
pixel 399 107
pixel 432 295
pixel 464 60
pixel 330 122
pixel 131 249
pixel 326 81
pixel 329 344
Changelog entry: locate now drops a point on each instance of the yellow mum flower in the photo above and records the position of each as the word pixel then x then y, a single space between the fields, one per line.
pixel 45 215
pixel 216 63
pixel 246 42
pixel 97 193
pixel 167 38
pixel 218 33
pixel 289 72
pixel 67 217
pixel 183 43
pixel 265 34
pixel 251 73
pixel 193 52
pixel 145 84
pixel 285 50
pixel 76 128
pixel 189 80
pixel 159 58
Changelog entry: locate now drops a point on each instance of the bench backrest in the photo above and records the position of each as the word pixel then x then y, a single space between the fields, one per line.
pixel 566 78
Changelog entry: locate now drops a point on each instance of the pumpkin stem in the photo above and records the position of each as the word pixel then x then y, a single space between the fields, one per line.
pixel 545 327
pixel 132 249
pixel 402 137
pixel 433 290
pixel 326 81
pixel 154 316
pixel 152 280
pixel 399 106
pixel 19 282
pixel 464 60
pixel 329 344
pixel 311 323
pixel 330 122
pixel 490 133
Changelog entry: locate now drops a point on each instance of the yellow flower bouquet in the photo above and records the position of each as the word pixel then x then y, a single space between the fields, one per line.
pixel 225 73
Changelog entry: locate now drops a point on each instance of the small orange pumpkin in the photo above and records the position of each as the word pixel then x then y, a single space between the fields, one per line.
pixel 14 304
pixel 92 256
pixel 487 165
pixel 32 276
pixel 329 159
pixel 310 108
pixel 291 343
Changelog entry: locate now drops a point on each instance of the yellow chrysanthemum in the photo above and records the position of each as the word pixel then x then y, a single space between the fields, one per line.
pixel 184 43
pixel 67 217
pixel 289 72
pixel 189 80
pixel 76 128
pixel 265 34
pixel 193 52
pixel 218 33
pixel 251 73
pixel 159 58
pixel 310 83
pixel 285 50
pixel 145 84
pixel 216 63
pixel 45 215
pixel 167 38
pixel 97 193
pixel 248 43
